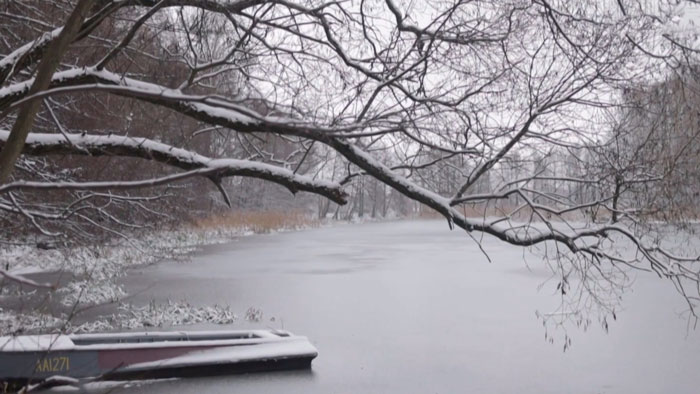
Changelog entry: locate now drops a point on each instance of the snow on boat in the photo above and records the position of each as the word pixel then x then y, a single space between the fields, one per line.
pixel 150 355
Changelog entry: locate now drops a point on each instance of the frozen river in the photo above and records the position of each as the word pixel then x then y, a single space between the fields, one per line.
pixel 410 307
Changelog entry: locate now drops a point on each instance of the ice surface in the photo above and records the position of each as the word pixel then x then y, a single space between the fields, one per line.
pixel 411 307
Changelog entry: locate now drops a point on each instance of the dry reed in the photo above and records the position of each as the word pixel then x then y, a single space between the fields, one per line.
pixel 256 221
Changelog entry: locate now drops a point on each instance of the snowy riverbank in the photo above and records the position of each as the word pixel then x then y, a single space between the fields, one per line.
pixel 87 277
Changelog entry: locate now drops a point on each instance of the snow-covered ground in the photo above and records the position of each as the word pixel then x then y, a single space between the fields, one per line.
pixel 94 274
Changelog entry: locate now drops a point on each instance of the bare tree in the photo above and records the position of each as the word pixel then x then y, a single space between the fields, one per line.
pixel 454 105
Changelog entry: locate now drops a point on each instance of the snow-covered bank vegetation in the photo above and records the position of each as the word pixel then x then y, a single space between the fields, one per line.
pixel 81 278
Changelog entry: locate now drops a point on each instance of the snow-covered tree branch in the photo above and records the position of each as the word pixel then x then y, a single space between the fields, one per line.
pixel 215 169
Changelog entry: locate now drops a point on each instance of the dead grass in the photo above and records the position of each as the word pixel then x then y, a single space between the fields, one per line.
pixel 257 222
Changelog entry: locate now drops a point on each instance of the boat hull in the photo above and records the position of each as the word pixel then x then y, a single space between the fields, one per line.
pixel 152 355
pixel 268 365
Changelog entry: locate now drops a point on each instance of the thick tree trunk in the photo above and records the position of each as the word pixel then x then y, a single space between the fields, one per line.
pixel 616 198
pixel 47 66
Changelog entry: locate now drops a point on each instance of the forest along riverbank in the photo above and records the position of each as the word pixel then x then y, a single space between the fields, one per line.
pixel 411 307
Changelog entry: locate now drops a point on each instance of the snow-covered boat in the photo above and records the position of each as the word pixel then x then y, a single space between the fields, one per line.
pixel 150 355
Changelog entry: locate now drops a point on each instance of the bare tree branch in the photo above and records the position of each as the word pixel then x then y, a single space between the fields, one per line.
pixel 195 164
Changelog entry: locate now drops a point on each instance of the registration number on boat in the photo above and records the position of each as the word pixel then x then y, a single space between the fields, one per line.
pixel 52 364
